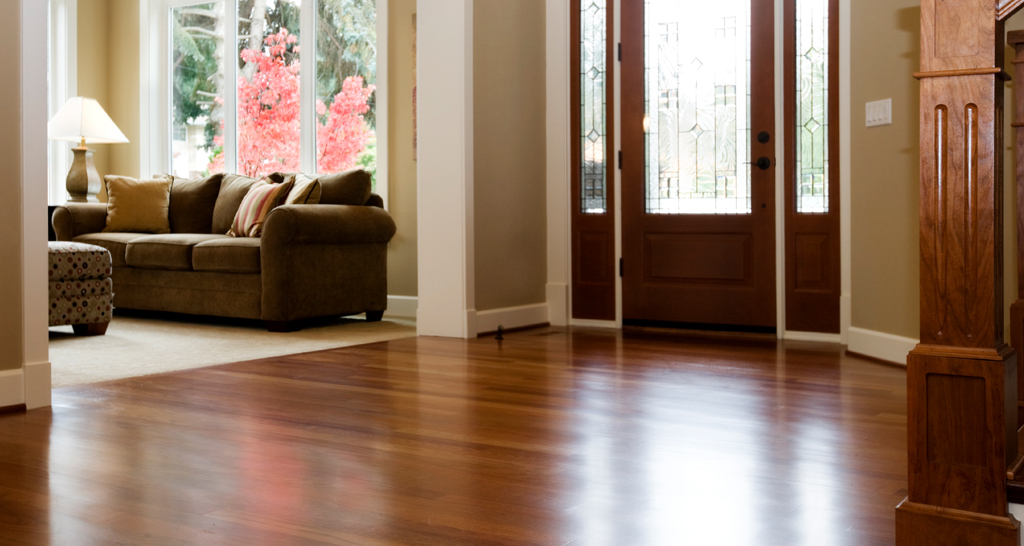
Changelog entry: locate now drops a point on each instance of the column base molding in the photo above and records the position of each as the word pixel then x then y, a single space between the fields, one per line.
pixel 922 524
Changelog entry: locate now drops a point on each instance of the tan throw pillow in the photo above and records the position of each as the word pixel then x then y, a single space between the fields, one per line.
pixel 138 206
pixel 262 198
pixel 305 191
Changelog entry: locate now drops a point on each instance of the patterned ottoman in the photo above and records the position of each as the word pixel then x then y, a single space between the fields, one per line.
pixel 81 293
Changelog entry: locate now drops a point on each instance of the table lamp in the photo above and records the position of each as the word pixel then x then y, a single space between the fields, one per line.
pixel 83 120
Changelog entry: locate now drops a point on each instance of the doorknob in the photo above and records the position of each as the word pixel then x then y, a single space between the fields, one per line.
pixel 763 137
pixel 764 163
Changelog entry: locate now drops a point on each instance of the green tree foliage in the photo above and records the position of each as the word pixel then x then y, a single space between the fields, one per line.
pixel 196 69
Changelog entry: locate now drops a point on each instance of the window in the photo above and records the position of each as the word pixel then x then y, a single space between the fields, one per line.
pixel 812 108
pixel 295 93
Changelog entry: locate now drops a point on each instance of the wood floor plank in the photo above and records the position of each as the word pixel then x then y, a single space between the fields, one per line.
pixel 551 437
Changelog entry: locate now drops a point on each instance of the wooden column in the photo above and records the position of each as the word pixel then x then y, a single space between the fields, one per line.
pixel 1016 39
pixel 962 377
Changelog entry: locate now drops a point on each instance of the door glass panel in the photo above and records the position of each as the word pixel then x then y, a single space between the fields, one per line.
pixel 197 76
pixel 812 106
pixel 697 69
pixel 593 52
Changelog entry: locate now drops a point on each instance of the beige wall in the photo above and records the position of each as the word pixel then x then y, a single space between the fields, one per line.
pixel 510 152
pixel 883 191
pixel 124 85
pixel 94 67
pixel 401 166
pixel 11 327
pixel 884 170
pixel 108 71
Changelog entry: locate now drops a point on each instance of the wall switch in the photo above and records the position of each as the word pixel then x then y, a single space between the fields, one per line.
pixel 878 113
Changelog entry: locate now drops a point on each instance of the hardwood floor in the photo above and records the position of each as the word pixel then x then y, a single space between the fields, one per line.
pixel 549 438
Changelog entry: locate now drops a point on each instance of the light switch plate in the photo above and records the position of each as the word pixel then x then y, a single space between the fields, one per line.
pixel 878 113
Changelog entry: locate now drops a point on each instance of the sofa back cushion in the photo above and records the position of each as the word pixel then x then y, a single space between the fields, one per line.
pixel 345 188
pixel 192 203
pixel 232 190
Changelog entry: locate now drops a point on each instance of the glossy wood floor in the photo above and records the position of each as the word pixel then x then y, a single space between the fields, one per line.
pixel 550 438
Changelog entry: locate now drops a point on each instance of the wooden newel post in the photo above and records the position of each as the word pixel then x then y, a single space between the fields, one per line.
pixel 962 377
pixel 1016 39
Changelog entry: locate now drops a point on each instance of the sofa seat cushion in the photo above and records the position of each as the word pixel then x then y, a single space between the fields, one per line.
pixel 116 243
pixel 227 255
pixel 167 251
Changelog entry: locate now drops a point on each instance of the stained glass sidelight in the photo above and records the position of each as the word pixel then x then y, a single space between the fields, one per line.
pixel 697 63
pixel 593 52
pixel 812 125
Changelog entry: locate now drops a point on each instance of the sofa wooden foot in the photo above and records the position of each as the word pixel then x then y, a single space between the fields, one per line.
pixel 94 329
pixel 374 316
pixel 283 326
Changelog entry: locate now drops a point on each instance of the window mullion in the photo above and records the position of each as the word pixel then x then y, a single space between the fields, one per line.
pixel 231 87
pixel 307 87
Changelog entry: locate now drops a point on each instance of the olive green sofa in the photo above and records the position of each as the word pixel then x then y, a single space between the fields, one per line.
pixel 322 260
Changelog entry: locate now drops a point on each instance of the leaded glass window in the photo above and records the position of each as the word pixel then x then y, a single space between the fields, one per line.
pixel 697 97
pixel 812 123
pixel 593 52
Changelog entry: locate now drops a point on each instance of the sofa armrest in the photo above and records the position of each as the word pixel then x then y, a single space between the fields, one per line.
pixel 327 224
pixel 74 219
pixel 324 260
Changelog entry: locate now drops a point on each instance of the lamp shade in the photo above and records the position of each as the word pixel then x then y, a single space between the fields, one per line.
pixel 83 120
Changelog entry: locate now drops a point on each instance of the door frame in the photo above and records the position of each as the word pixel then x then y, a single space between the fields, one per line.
pixel 559 203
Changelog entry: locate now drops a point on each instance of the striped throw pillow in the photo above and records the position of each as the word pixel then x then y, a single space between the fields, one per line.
pixel 256 205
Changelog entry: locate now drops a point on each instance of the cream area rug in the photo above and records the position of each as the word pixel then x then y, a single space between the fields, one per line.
pixel 139 344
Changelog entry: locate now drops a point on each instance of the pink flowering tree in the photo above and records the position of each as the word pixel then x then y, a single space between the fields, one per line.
pixel 268 116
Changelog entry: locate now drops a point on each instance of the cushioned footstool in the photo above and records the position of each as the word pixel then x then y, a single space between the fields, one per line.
pixel 81 293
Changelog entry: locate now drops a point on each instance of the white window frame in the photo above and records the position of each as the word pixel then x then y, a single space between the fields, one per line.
pixel 155 88
pixel 63 84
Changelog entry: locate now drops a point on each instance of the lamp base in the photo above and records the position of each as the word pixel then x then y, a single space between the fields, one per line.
pixel 83 182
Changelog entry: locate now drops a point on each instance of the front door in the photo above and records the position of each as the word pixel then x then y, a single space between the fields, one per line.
pixel 698 164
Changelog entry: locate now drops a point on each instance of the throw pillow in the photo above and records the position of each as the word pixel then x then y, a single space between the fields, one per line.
pixel 305 191
pixel 138 206
pixel 262 198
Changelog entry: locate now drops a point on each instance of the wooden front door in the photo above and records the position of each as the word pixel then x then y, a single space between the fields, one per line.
pixel 698 164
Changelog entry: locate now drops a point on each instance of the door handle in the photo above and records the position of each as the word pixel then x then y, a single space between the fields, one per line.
pixel 763 163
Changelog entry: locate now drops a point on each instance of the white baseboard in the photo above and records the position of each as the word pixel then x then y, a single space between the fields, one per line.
pixel 811 336
pixel 558 304
pixel 402 306
pixel 12 385
pixel 511 317
pixel 880 345
pixel 37 385
pixel 1017 511
pixel 587 323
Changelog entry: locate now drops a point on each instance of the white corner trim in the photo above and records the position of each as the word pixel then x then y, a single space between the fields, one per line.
pixel 587 323
pixel 37 385
pixel 402 306
pixel 880 345
pixel 811 336
pixel 12 392
pixel 511 317
pixel 558 304
pixel 845 178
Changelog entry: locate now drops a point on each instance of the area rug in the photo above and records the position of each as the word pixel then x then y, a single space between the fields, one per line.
pixel 138 344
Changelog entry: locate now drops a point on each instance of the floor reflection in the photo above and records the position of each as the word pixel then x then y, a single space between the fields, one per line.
pixel 587 437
